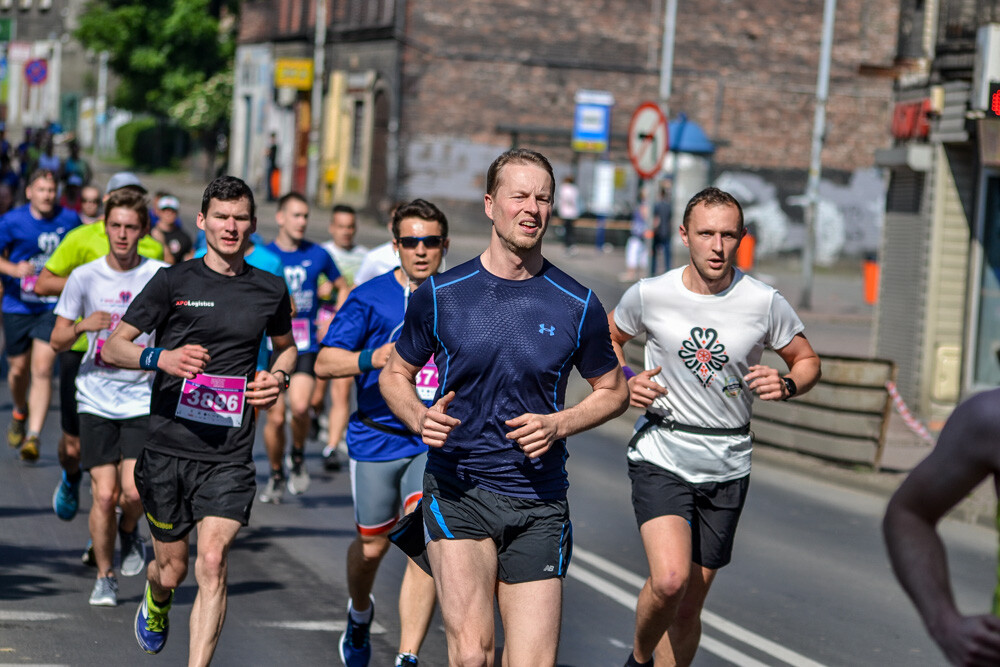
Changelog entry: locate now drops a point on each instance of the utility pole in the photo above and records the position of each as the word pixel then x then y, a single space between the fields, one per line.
pixel 666 85
pixel 815 164
pixel 316 104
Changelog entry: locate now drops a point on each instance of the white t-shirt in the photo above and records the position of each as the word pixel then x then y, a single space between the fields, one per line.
pixel 348 261
pixel 705 344
pixel 379 259
pixel 103 390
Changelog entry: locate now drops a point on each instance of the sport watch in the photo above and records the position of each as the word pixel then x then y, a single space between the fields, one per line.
pixel 790 386
pixel 283 384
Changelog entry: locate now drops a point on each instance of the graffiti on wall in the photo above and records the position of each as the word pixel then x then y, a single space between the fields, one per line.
pixel 849 217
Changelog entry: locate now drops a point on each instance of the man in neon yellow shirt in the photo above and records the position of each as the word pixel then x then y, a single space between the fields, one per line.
pixel 87 243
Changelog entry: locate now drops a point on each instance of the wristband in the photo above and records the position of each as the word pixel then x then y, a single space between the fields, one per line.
pixel 149 358
pixel 365 360
pixel 629 373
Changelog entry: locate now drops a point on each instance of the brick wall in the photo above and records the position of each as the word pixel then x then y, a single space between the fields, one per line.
pixel 747 75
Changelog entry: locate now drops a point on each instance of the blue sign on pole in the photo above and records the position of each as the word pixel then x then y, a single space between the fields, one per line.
pixel 35 71
pixel 592 121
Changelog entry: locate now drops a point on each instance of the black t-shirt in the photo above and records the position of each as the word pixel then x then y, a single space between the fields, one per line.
pixel 177 243
pixel 189 303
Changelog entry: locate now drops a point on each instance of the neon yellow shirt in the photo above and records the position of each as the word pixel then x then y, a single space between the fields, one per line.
pixel 85 244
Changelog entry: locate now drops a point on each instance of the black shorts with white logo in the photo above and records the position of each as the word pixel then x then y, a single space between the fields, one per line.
pixel 711 509
pixel 534 538
pixel 305 362
pixel 108 441
pixel 177 492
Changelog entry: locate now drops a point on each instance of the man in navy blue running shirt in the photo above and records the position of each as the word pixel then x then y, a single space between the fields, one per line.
pixel 505 330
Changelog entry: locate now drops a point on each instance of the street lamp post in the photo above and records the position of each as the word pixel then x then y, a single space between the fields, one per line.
pixel 316 108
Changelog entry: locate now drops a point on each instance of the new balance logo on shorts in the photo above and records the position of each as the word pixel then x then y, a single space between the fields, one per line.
pixel 549 568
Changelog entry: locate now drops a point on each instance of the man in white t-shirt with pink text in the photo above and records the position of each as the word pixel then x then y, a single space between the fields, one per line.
pixel 706 326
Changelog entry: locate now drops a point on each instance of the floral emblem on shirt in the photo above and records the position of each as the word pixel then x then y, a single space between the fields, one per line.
pixel 703 354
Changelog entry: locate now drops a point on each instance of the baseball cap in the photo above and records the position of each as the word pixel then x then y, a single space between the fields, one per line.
pixel 124 179
pixel 168 202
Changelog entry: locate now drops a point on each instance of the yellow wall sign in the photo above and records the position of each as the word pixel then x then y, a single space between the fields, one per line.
pixel 294 73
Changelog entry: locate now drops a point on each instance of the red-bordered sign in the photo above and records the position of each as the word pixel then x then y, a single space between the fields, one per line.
pixel 648 139
pixel 35 71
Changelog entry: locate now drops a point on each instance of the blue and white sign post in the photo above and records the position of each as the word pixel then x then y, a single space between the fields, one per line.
pixel 592 121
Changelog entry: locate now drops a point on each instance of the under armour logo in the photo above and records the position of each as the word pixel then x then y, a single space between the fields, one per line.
pixel 542 329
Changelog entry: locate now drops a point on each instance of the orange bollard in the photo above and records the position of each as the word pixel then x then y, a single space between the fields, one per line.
pixel 871 271
pixel 744 254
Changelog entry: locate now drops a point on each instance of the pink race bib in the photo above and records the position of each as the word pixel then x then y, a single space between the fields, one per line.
pixel 213 399
pixel 427 381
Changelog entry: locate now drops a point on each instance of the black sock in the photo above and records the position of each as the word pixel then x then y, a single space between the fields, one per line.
pixel 632 662
pixel 74 477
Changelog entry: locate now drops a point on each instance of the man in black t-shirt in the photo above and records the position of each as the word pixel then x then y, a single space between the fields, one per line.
pixel 197 469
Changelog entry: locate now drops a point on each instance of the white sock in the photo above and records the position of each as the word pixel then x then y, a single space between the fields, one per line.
pixel 361 616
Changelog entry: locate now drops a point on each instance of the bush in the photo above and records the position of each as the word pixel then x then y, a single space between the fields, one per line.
pixel 150 144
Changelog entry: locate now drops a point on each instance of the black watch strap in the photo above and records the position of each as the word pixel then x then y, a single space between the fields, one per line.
pixel 283 384
pixel 790 386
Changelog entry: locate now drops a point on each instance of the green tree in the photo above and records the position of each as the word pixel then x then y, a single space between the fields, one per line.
pixel 166 53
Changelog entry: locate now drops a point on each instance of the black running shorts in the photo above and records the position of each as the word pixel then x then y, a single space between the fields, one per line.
pixel 534 538
pixel 178 492
pixel 108 441
pixel 69 367
pixel 712 509
pixel 19 329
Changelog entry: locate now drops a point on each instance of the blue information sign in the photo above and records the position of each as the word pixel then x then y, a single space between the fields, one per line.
pixel 592 121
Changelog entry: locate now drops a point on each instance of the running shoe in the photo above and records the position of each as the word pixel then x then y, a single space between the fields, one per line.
pixel 298 476
pixel 151 623
pixel 331 459
pixel 29 449
pixel 16 429
pixel 105 593
pixel 88 558
pixel 66 498
pixel 133 552
pixel 355 647
pixel 406 660
pixel 274 491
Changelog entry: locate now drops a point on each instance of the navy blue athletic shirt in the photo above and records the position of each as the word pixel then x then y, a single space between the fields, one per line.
pixel 506 347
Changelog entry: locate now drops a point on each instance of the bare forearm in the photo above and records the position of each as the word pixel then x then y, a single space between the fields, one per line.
pixel 285 359
pixel 336 362
pixel 805 373
pixel 63 336
pixel 400 394
pixel 602 404
pixel 120 352
pixel 920 563
pixel 49 284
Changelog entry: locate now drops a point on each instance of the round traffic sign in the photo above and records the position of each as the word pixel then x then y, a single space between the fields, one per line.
pixel 648 140
pixel 35 71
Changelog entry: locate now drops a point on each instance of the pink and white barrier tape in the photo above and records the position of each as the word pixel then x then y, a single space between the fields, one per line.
pixel 912 422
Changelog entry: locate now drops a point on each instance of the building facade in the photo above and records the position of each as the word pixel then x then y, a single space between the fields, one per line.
pixel 420 95
pixel 939 305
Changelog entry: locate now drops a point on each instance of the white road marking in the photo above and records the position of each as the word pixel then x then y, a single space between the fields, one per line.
pixel 628 599
pixel 6 615
pixel 316 626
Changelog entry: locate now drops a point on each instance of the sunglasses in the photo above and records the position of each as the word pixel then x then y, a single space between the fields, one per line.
pixel 411 242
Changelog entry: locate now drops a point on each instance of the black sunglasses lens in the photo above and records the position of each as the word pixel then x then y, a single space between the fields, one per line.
pixel 411 242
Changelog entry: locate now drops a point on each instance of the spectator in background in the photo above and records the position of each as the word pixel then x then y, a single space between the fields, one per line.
pixel 568 210
pixel 663 221
pixel 71 194
pixel 90 204
pixel 635 249
pixel 176 242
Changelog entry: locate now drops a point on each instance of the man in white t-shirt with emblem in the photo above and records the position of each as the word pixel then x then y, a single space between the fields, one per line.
pixel 706 325
pixel 113 403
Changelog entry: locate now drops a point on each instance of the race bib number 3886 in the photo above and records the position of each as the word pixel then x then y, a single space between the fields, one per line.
pixel 213 399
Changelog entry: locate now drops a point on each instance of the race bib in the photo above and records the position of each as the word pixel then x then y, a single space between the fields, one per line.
pixel 427 381
pixel 28 291
pixel 213 399
pixel 300 332
pixel 325 315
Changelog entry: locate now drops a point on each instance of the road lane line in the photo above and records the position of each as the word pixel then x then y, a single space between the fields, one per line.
pixel 316 626
pixel 30 616
pixel 708 618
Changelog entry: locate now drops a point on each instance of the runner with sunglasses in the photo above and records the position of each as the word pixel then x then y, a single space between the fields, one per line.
pixel 386 459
